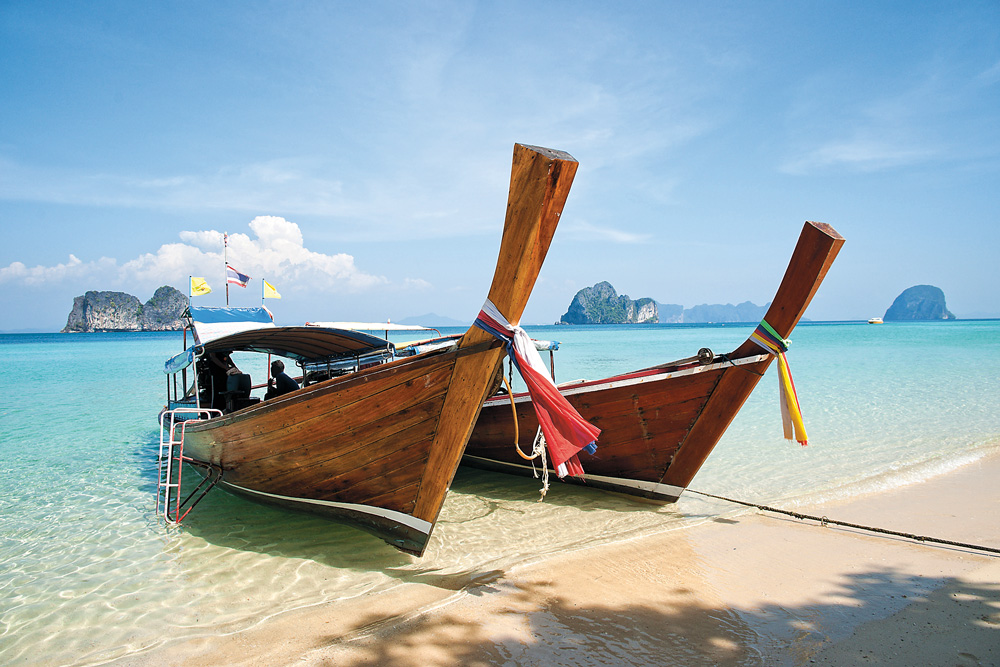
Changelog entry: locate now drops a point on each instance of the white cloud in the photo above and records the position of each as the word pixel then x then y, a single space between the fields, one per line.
pixel 275 251
pixel 990 75
pixel 860 154
pixel 416 284
pixel 583 230
pixel 72 270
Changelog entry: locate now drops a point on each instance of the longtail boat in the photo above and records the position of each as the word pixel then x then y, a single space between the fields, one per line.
pixel 378 446
pixel 658 425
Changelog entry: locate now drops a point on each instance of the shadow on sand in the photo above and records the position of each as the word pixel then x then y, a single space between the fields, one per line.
pixel 542 629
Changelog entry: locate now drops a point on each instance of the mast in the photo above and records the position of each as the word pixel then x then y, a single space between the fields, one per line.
pixel 225 263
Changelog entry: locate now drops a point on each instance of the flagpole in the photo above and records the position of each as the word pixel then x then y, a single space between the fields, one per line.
pixel 225 261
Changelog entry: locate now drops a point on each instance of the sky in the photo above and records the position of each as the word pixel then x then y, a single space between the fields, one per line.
pixel 358 154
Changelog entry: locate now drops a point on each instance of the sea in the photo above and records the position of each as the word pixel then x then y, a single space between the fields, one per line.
pixel 89 573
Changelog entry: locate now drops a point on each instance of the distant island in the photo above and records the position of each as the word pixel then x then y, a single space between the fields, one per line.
pixel 118 311
pixel 601 304
pixel 920 302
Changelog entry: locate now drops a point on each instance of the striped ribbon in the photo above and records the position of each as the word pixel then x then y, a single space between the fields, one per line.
pixel 566 432
pixel 791 413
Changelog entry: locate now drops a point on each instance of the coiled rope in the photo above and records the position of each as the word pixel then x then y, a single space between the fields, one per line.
pixel 824 521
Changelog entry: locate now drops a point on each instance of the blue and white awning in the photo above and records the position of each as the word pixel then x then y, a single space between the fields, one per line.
pixel 212 323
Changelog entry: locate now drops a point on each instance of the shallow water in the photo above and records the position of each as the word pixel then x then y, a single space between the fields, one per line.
pixel 90 574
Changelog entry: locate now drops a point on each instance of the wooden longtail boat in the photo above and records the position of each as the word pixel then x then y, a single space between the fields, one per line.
pixel 658 425
pixel 379 447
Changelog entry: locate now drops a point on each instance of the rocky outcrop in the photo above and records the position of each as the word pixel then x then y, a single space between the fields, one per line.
pixel 164 309
pixel 601 304
pixel 920 302
pixel 118 311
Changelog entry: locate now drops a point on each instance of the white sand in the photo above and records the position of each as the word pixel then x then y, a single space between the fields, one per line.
pixel 759 589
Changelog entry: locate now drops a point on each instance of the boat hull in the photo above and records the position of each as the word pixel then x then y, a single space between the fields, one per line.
pixel 355 448
pixel 379 447
pixel 659 425
pixel 645 418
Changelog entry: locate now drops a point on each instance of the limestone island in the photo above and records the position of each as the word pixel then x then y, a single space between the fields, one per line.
pixel 920 302
pixel 118 311
pixel 601 304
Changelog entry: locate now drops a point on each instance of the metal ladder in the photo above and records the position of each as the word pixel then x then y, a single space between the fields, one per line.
pixel 171 460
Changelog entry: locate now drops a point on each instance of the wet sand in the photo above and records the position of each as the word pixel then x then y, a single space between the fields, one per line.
pixel 756 589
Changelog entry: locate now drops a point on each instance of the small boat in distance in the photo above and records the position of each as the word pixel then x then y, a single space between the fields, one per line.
pixel 370 439
pixel 875 320
pixel 659 424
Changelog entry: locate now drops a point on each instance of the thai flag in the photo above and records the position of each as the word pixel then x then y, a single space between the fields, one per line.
pixel 566 431
pixel 234 277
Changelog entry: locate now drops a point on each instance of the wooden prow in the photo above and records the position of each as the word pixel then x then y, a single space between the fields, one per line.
pixel 539 184
pixel 815 251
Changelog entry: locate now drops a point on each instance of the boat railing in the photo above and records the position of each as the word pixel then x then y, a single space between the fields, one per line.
pixel 171 460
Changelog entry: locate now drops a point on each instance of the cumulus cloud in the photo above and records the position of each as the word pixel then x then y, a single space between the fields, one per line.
pixel 274 251
pixel 72 270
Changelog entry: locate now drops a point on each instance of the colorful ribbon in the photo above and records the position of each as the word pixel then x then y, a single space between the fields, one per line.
pixel 791 413
pixel 566 432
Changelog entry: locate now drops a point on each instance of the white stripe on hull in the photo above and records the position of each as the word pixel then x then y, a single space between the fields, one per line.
pixel 623 484
pixel 407 520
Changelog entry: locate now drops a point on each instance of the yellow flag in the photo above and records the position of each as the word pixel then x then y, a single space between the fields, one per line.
pixel 270 292
pixel 199 287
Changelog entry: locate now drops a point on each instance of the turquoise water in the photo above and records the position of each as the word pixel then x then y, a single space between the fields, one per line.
pixel 89 574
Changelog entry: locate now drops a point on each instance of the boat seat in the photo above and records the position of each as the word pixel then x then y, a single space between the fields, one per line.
pixel 237 393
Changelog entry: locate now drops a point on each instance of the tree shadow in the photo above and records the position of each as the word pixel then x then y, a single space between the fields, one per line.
pixel 536 627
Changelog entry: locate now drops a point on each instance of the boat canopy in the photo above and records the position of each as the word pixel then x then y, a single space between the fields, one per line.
pixel 300 343
pixel 212 323
pixel 303 344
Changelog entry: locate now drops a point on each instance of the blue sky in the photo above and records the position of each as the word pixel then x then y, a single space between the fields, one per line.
pixel 358 154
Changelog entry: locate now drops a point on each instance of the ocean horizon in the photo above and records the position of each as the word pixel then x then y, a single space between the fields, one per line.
pixel 93 575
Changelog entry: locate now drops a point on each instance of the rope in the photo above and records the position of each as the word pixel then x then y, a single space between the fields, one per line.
pixel 538 450
pixel 824 521
pixel 537 447
pixel 513 410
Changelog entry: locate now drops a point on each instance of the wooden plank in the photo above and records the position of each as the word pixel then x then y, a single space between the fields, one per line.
pixel 347 452
pixel 299 411
pixel 540 182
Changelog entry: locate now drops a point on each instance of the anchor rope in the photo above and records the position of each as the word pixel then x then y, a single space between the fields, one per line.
pixel 823 521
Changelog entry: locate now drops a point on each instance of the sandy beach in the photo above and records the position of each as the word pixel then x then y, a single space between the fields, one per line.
pixel 755 589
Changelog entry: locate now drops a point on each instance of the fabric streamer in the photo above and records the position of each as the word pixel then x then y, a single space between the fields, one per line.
pixel 565 431
pixel 791 413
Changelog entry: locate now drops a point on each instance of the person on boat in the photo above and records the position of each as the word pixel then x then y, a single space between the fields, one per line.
pixel 280 382
pixel 220 365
